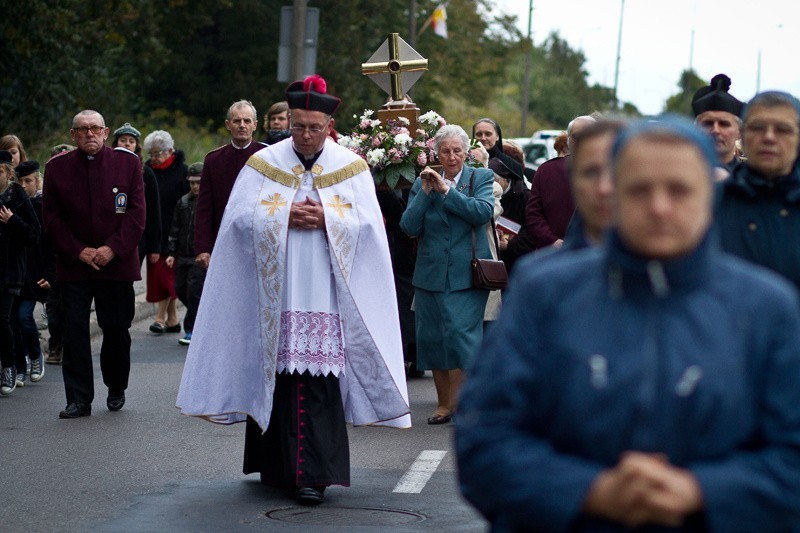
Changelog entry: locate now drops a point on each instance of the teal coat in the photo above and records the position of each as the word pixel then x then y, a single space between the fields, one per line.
pixel 444 225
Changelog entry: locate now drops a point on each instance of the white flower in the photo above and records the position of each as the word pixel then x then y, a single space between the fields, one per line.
pixel 402 140
pixel 367 114
pixel 375 156
pixel 345 141
pixel 431 117
pixel 404 121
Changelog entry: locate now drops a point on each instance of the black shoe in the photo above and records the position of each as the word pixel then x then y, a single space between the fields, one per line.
pixel 76 410
pixel 115 400
pixel 310 495
pixel 158 328
pixel 173 329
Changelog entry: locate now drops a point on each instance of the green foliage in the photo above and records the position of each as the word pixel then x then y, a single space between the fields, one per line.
pixel 178 64
pixel 681 102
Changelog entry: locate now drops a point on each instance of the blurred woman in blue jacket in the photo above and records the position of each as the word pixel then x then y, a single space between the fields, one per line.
pixel 657 384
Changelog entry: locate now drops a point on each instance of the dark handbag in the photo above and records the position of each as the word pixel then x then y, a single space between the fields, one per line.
pixel 487 274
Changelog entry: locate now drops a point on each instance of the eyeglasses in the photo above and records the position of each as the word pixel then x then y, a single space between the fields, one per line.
pixel 780 129
pixel 158 153
pixel 83 130
pixel 313 130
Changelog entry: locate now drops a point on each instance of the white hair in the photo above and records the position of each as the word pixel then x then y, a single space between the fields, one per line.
pixel 158 139
pixel 451 131
pixel 242 103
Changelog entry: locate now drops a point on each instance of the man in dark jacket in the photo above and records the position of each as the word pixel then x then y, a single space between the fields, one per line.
pixel 220 169
pixel 93 203
pixel 758 215
pixel 189 274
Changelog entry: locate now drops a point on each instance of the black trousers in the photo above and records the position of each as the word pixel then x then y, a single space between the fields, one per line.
pixel 306 441
pixel 6 334
pixel 189 280
pixel 52 307
pixel 114 307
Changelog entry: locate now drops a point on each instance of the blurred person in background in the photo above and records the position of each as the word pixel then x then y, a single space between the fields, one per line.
pixel 127 137
pixel 170 170
pixel 13 145
pixel 39 275
pixel 19 229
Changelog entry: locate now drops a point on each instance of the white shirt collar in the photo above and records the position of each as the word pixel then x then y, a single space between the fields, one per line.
pixel 242 147
pixel 454 181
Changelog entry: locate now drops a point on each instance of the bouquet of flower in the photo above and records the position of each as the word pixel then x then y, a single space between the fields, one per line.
pixel 391 150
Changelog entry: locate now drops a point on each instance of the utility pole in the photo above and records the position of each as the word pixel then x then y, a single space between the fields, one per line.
pixel 412 23
pixel 298 38
pixel 619 48
pixel 526 86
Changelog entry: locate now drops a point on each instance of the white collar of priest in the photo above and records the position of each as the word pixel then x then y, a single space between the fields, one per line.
pixel 242 147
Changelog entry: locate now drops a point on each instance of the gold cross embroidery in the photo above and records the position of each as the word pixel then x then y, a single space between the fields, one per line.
pixel 274 202
pixel 337 205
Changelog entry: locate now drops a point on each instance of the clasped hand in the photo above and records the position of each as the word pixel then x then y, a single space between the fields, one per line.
pixel 644 488
pixel 432 180
pixel 96 257
pixel 307 215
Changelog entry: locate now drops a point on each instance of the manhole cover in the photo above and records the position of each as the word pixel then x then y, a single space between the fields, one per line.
pixel 356 516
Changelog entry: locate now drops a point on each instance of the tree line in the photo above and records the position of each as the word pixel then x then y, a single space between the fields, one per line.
pixel 180 63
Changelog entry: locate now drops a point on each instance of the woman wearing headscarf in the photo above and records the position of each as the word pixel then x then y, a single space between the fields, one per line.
pixel 655 383
pixel 170 170
pixel 487 132
pixel 445 211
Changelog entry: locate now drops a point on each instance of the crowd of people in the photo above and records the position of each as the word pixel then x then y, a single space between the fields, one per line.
pixel 639 370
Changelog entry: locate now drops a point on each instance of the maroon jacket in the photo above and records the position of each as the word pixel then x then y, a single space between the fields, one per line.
pixel 95 202
pixel 550 205
pixel 220 169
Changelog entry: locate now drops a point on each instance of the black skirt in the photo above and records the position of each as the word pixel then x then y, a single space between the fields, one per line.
pixel 306 441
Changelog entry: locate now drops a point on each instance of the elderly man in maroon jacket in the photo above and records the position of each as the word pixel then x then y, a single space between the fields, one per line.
pixel 220 168
pixel 550 206
pixel 94 211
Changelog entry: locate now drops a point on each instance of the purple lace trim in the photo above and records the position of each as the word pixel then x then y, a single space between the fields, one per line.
pixel 310 341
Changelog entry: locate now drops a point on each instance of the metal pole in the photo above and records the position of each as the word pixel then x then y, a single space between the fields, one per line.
pixel 526 86
pixel 619 48
pixel 758 73
pixel 412 23
pixel 298 38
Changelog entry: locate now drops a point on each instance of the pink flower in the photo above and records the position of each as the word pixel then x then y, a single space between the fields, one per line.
pixel 422 159
pixel 376 141
pixel 395 155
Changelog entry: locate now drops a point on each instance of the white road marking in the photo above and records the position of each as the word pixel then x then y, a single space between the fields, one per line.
pixel 420 472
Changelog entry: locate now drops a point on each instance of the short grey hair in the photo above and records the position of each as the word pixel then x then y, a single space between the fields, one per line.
pixel 451 131
pixel 242 103
pixel 771 99
pixel 571 125
pixel 159 139
pixel 85 113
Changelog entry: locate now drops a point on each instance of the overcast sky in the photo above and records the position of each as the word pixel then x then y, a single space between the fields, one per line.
pixel 656 37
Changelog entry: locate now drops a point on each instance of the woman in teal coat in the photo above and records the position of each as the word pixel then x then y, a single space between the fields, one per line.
pixel 443 212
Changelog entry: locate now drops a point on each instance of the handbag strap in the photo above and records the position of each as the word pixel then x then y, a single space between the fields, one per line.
pixel 494 231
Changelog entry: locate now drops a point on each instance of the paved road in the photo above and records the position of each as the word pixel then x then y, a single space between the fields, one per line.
pixel 147 468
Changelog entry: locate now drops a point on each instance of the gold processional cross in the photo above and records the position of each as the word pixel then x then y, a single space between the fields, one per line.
pixel 404 67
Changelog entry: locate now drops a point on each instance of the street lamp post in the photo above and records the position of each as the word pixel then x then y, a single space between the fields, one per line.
pixel 619 48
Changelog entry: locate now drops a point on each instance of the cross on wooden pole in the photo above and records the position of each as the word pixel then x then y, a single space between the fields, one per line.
pixel 403 60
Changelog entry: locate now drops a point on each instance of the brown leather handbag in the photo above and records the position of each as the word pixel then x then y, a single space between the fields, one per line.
pixel 487 274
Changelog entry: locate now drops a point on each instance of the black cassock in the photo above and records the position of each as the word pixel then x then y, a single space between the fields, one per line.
pixel 306 441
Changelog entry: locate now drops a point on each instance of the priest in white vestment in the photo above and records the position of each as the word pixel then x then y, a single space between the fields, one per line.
pixel 298 332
